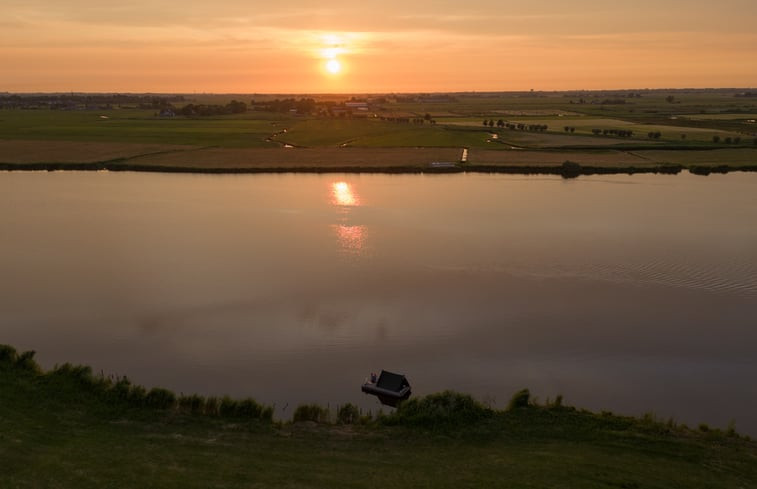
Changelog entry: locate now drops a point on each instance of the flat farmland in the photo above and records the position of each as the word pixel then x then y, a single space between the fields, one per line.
pixel 377 133
pixel 135 126
pixel 738 157
pixel 696 128
pixel 724 117
pixel 585 125
pixel 31 151
pixel 550 139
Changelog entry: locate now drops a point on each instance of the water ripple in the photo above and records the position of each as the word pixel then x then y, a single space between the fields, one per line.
pixel 725 277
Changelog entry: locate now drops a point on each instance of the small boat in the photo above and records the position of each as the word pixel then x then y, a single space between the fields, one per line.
pixel 390 388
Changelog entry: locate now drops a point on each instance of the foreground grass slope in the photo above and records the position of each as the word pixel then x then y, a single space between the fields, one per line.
pixel 65 428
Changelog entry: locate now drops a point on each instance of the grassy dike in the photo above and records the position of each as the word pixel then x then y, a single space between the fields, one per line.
pixel 67 428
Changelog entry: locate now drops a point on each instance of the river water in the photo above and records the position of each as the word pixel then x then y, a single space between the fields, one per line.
pixel 627 293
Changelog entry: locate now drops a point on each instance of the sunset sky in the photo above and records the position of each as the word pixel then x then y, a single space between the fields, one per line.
pixel 243 46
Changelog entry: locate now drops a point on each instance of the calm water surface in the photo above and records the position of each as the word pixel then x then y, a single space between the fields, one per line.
pixel 628 293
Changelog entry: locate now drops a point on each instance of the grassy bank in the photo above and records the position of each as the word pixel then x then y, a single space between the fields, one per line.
pixel 67 428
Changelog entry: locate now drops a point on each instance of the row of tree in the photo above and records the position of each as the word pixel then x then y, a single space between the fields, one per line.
pixel 301 106
pixel 729 140
pixel 624 133
pixel 422 120
pixel 512 126
pixel 233 107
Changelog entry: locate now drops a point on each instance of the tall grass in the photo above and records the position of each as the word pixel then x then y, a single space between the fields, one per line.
pixel 192 404
pixel 244 408
pixel 24 361
pixel 160 398
pixel 348 414
pixel 122 392
pixel 521 400
pixel 311 412
pixel 8 355
pixel 445 408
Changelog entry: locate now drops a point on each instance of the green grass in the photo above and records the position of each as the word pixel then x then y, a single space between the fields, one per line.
pixel 427 137
pixel 377 133
pixel 667 132
pixel 733 157
pixel 333 132
pixel 56 430
pixel 135 126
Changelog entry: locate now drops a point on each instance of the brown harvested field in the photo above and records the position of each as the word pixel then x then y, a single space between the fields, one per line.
pixel 286 158
pixel 18 151
pixel 556 158
pixel 554 140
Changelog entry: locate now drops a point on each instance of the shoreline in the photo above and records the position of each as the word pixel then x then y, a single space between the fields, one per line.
pixel 121 392
pixel 566 170
pixel 28 155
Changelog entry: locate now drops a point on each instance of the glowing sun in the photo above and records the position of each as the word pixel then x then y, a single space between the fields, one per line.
pixel 333 66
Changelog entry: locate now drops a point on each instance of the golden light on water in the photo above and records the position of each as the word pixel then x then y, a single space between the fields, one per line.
pixel 350 235
pixel 343 195
pixel 351 238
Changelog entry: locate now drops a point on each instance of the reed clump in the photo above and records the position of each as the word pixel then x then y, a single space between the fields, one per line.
pixel 244 408
pixel 348 414
pixel 521 399
pixel 311 412
pixel 445 408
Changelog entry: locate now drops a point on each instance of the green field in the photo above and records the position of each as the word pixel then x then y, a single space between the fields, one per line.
pixel 66 428
pixel 135 126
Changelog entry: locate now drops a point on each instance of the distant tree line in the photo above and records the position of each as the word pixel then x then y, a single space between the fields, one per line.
pixel 202 110
pixel 729 140
pixel 301 106
pixel 624 133
pixel 75 101
pixel 424 119
pixel 513 126
pixel 613 101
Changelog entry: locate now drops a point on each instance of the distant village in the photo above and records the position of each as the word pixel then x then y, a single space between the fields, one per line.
pixel 168 106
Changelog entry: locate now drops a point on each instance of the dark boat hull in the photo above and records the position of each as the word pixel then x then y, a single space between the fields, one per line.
pixel 387 397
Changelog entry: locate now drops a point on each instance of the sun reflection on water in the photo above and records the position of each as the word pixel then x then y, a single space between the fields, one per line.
pixel 343 194
pixel 350 235
pixel 351 238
